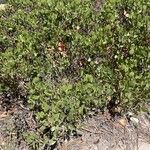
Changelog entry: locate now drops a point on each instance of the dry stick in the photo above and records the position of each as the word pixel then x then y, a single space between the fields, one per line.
pixel 101 131
pixel 137 140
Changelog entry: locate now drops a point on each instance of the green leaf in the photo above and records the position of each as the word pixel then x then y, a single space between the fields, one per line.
pixel 88 78
pixel 45 106
pixel 125 67
pixel 131 52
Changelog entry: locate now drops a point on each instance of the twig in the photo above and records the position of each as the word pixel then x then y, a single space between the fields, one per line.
pixel 101 131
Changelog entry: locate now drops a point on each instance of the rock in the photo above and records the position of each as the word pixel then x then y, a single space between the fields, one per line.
pixel 134 120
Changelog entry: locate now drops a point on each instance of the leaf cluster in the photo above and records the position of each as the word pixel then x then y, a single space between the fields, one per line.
pixel 66 58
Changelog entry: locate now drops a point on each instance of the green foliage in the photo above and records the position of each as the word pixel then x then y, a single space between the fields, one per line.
pixel 68 58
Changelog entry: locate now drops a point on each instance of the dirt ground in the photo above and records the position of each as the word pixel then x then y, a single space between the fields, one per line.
pixel 12 126
pixel 101 132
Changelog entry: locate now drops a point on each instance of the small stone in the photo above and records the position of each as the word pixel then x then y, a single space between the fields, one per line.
pixel 134 120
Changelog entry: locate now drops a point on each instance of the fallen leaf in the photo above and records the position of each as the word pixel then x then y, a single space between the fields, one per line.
pixel 109 98
pixel 3 115
pixel 126 14
pixel 62 48
pixel 122 121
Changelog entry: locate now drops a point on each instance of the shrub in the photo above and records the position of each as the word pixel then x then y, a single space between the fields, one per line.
pixel 66 58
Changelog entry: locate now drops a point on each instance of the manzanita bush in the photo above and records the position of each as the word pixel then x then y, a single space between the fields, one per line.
pixel 67 57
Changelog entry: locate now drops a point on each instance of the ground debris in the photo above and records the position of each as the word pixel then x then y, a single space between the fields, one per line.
pixel 102 133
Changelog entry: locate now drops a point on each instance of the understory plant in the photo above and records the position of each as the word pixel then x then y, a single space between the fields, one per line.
pixel 66 57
